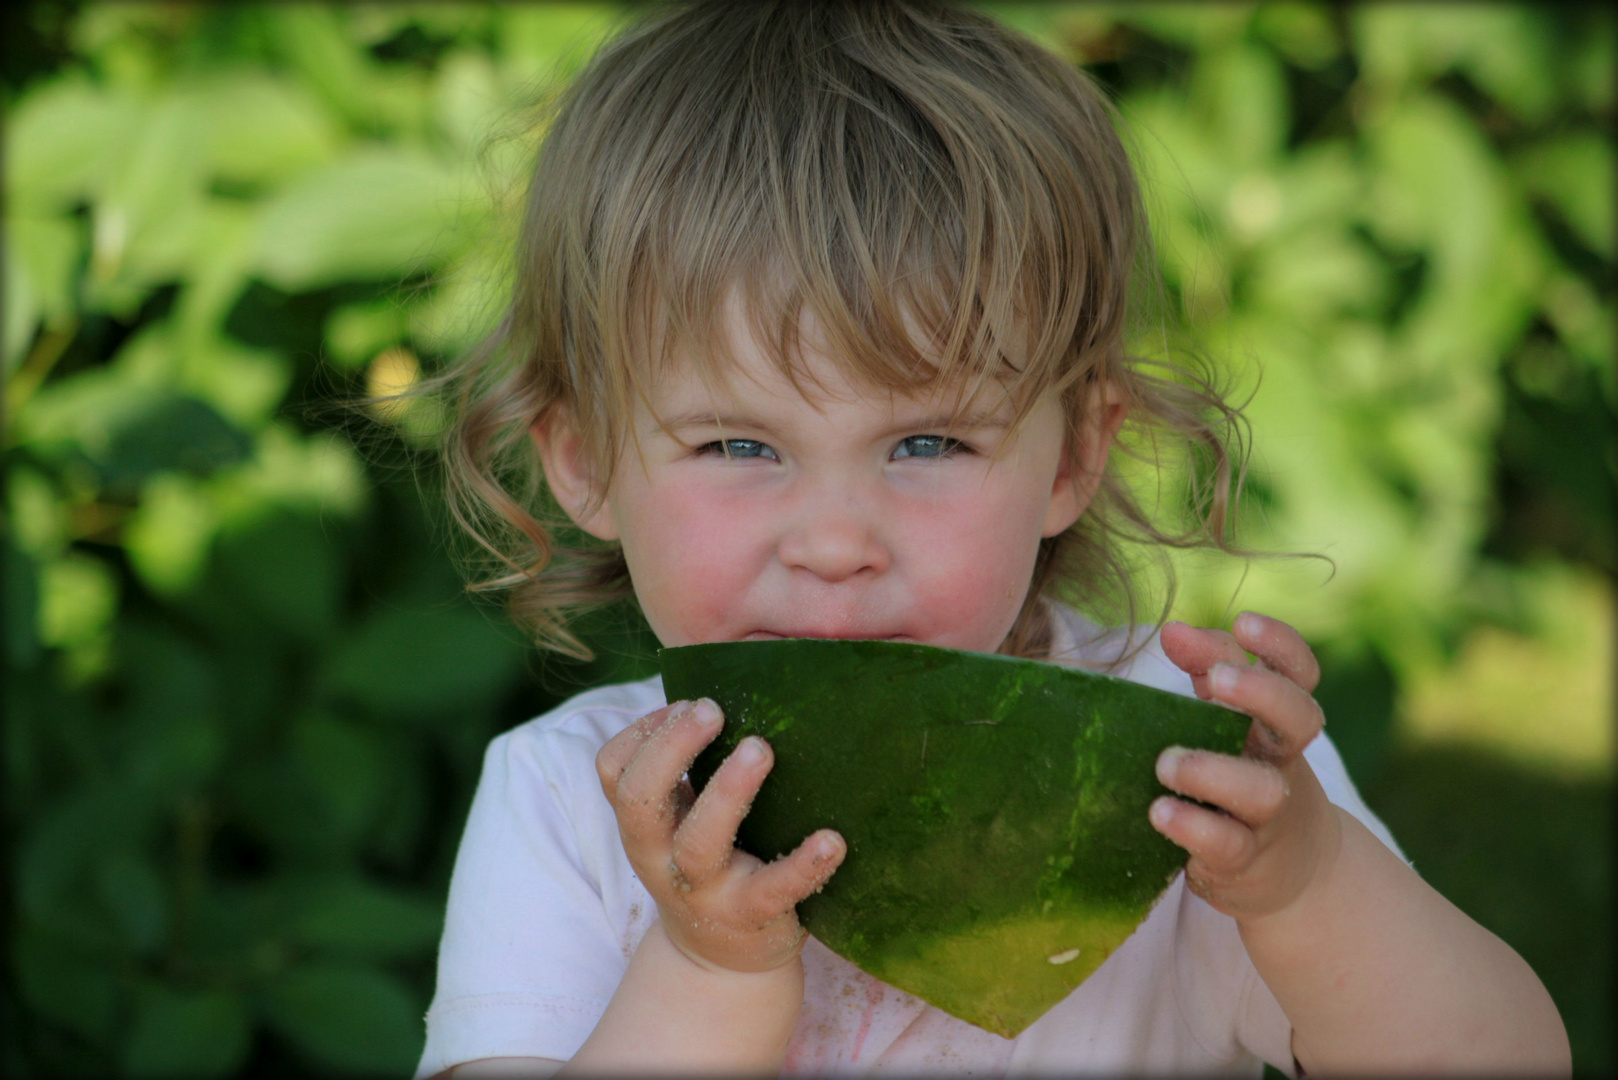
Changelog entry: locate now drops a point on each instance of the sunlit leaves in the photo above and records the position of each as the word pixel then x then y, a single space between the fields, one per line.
pixel 1575 174
pixel 244 707
pixel 379 214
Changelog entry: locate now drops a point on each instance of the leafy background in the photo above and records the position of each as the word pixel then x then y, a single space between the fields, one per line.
pixel 246 698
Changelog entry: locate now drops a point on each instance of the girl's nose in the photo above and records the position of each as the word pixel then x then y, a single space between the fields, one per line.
pixel 834 542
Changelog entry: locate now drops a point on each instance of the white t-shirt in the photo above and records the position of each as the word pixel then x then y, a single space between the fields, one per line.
pixel 545 911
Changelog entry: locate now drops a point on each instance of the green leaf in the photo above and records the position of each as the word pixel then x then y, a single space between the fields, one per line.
pixel 169 535
pixel 1241 88
pixel 70 834
pixel 42 257
pixel 148 214
pixel 245 385
pixel 361 920
pixel 1310 275
pixel 171 710
pixel 345 762
pixel 1505 50
pixel 22 609
pixel 380 214
pixel 350 1018
pixel 314 41
pixel 1193 26
pixel 40 519
pixel 1575 173
pixel 318 473
pixel 63 981
pixel 1302 32
pixel 555 39
pixel 186 1033
pixel 63 140
pixel 182 434
pixel 130 429
pixel 357 332
pixel 286 568
pixel 468 101
pixel 263 129
pixel 416 661
pixel 78 597
pixel 130 889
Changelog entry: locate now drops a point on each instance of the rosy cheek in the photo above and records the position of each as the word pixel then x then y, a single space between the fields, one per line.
pixel 694 554
pixel 974 570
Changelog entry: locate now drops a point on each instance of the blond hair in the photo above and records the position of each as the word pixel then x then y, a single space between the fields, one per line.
pixel 949 201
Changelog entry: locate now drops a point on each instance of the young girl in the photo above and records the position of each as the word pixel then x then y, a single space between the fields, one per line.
pixel 818 332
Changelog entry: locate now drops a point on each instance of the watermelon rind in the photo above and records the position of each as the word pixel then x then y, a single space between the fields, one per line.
pixel 995 809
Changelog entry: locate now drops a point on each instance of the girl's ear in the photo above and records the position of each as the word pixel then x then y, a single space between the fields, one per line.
pixel 1084 461
pixel 568 472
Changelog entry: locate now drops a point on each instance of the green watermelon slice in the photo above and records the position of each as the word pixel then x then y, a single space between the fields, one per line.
pixel 994 808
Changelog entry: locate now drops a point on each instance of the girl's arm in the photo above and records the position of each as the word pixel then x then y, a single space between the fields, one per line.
pixel 1376 971
pixel 717 982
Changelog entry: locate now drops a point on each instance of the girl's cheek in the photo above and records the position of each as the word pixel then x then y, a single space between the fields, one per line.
pixel 693 557
pixel 971 560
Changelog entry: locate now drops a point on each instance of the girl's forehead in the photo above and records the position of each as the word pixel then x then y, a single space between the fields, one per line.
pixel 756 389
pixel 740 352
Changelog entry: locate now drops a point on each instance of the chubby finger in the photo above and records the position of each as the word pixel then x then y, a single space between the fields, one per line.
pixel 705 839
pixel 1251 791
pixel 1285 718
pixel 648 790
pixel 1278 647
pixel 1195 650
pixel 614 757
pixel 775 888
pixel 1221 844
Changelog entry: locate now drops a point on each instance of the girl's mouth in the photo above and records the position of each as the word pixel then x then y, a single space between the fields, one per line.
pixel 832 635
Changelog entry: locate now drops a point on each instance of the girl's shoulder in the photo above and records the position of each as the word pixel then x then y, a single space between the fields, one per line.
pixel 1127 652
pixel 584 722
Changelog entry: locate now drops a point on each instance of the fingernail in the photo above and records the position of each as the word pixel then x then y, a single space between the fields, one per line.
pixel 827 847
pixel 1223 678
pixel 1168 764
pixel 705 712
pixel 1161 811
pixel 1248 623
pixel 750 751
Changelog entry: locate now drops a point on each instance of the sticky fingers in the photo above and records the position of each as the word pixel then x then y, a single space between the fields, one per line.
pixel 779 886
pixel 1251 791
pixel 1196 651
pixel 648 795
pixel 1278 647
pixel 620 750
pixel 1286 719
pixel 706 838
pixel 1273 643
pixel 1218 845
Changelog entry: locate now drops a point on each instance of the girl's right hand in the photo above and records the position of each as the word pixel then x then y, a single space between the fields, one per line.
pixel 721 907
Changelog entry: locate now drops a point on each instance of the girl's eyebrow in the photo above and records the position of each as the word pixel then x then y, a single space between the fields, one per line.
pixel 971 420
pixel 708 418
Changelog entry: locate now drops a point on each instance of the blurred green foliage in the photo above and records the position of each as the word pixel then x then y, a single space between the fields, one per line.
pixel 247 699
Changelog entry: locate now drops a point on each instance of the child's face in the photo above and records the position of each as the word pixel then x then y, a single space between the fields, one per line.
pixel 844 514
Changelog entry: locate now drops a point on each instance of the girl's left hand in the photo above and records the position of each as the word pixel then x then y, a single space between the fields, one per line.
pixel 1277 832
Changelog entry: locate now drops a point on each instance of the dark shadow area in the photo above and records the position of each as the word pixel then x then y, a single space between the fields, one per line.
pixel 1526 853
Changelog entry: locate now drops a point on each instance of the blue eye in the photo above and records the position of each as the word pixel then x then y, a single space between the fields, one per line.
pixel 926 446
pixel 740 448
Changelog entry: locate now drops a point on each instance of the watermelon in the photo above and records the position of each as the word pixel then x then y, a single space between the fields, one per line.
pixel 994 808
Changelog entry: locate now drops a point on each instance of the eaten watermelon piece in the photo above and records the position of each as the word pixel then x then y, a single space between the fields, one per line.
pixel 994 808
